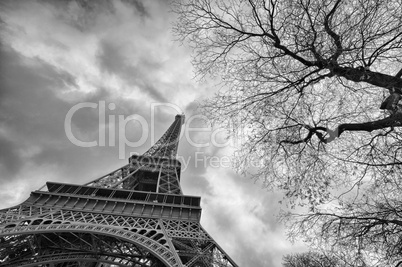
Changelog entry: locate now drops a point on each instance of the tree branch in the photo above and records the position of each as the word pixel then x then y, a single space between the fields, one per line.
pixel 394 120
pixel 371 77
pixel 335 37
pixel 399 74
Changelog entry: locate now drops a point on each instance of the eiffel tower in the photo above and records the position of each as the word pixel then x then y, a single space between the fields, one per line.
pixel 134 216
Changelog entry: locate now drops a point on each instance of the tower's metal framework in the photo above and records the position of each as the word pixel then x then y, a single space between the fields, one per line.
pixel 133 216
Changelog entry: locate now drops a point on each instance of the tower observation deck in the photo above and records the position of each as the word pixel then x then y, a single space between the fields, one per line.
pixel 135 216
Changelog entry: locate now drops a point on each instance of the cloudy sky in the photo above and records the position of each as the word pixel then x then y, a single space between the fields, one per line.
pixel 66 65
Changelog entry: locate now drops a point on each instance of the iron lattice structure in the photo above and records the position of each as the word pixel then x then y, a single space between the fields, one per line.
pixel 133 216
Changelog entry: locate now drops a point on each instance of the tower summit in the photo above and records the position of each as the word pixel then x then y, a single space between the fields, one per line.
pixel 134 216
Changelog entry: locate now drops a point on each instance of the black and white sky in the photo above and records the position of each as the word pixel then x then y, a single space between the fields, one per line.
pixel 115 59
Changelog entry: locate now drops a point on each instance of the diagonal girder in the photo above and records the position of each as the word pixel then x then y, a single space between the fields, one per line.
pixel 88 246
pixel 158 250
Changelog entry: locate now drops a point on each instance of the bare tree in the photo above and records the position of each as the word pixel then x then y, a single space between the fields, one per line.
pixel 309 259
pixel 368 229
pixel 306 79
pixel 314 86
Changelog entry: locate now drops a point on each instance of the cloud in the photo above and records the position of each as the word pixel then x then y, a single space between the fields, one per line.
pixel 123 48
pixel 9 159
pixel 242 218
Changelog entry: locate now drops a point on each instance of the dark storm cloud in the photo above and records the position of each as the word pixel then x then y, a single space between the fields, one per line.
pixel 113 60
pixel 27 108
pixel 93 6
pixel 10 161
pixel 154 93
pixel 33 117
